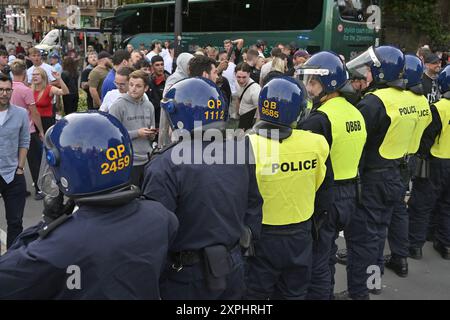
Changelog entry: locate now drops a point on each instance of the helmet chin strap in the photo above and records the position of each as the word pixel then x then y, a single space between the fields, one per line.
pixel 112 199
pixel 317 101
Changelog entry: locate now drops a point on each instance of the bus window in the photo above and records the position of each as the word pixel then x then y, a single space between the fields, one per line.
pixel 292 15
pixel 159 22
pixel 355 10
pixel 246 16
pixel 193 22
pixel 216 15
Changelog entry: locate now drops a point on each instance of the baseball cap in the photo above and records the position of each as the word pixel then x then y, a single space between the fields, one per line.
pixel 301 53
pixel 54 55
pixel 432 58
pixel 103 54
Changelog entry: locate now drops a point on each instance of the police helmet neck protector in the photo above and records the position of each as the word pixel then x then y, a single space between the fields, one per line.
pixel 324 73
pixel 444 82
pixel 386 65
pixel 88 154
pixel 413 71
pixel 194 102
pixel 281 101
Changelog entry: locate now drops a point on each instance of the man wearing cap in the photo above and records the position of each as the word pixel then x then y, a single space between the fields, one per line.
pixel 429 80
pixel 54 62
pixel 300 57
pixel 97 76
pixel 156 49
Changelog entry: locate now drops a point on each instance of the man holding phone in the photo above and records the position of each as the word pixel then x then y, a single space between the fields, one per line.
pixel 138 117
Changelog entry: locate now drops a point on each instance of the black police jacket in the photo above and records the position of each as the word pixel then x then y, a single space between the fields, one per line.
pixel 99 253
pixel 213 202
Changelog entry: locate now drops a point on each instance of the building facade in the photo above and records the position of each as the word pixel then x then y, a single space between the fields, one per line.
pixel 41 16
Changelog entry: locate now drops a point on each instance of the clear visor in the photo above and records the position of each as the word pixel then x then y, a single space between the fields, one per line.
pixel 311 80
pixel 165 127
pixel 360 66
pixel 46 181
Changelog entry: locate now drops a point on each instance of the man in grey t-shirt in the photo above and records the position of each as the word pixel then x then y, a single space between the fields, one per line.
pixel 138 116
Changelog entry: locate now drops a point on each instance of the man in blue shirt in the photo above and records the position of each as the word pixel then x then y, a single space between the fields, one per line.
pixel 14 144
pixel 121 58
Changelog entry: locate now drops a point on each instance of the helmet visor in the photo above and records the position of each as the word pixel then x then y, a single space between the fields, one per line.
pixel 360 66
pixel 46 181
pixel 310 77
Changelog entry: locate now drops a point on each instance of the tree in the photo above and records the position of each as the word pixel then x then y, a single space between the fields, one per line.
pixel 424 17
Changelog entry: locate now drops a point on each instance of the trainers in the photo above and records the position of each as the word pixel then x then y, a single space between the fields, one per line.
pixel 39 196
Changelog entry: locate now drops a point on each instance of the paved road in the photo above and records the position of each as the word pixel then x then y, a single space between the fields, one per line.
pixel 428 278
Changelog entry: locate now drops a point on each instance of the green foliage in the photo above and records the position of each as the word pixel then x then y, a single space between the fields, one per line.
pixel 422 16
pixel 82 102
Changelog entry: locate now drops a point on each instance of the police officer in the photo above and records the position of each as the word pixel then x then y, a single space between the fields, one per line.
pixel 113 246
pixel 390 123
pixel 433 193
pixel 344 128
pixel 214 196
pixel 398 228
pixel 293 180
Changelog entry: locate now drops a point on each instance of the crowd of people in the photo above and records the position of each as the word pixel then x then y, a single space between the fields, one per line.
pixel 352 139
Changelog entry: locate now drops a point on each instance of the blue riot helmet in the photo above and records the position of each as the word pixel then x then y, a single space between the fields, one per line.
pixel 324 68
pixel 444 82
pixel 88 153
pixel 281 101
pixel 413 72
pixel 195 102
pixel 386 64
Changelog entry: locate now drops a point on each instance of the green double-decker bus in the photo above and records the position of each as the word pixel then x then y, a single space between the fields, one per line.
pixel 343 26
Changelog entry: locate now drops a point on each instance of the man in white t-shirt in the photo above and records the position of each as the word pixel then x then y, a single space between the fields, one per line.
pixel 156 49
pixel 121 81
pixel 36 58
pixel 229 72
pixel 248 93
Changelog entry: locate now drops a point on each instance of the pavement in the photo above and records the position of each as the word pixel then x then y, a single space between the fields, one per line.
pixel 15 37
pixel 428 279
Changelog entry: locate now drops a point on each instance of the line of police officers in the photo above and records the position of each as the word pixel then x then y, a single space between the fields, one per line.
pixel 279 195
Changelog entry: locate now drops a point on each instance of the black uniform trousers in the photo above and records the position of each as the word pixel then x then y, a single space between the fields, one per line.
pixel 382 190
pixel 325 248
pixel 281 267
pixel 431 196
